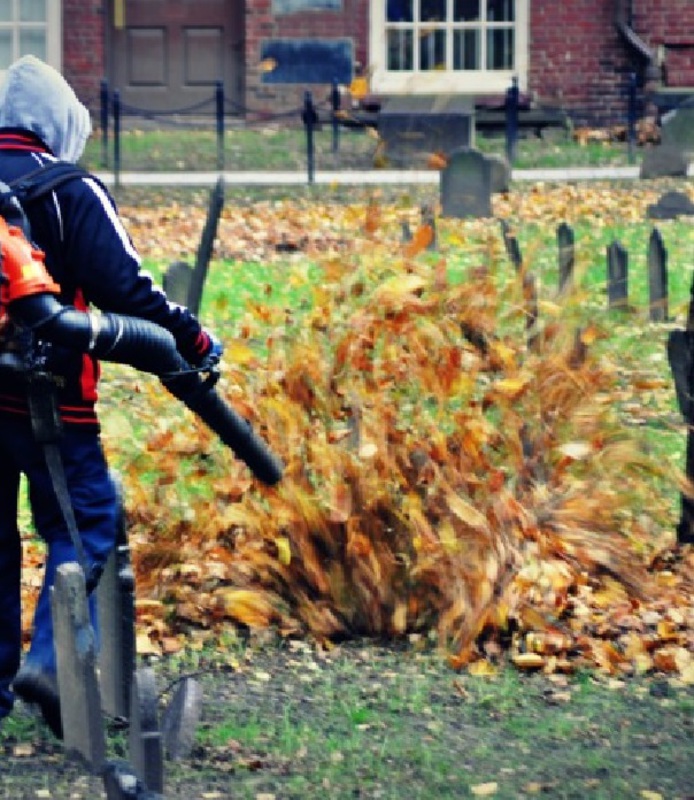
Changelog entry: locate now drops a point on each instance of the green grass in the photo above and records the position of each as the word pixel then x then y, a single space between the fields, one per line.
pixel 284 147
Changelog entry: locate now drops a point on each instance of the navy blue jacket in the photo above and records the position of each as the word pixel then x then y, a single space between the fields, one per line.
pixel 90 255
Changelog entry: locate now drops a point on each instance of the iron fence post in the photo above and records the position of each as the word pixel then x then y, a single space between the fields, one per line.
pixel 219 102
pixel 103 101
pixel 512 96
pixel 335 103
pixel 116 138
pixel 631 116
pixel 309 117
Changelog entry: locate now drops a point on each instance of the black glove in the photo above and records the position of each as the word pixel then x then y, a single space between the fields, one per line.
pixel 206 352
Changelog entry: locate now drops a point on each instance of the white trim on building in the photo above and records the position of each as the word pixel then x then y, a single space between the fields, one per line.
pixel 31 28
pixel 419 56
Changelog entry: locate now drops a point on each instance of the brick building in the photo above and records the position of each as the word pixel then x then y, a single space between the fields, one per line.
pixel 168 54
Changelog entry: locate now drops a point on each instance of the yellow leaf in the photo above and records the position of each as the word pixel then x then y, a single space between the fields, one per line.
pixel 528 660
pixel 247 606
pixel 647 794
pixel 576 450
pixel 482 669
pixel 466 512
pixel 284 552
pixel 485 789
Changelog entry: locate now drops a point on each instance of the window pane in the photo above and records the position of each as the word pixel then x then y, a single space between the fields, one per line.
pixel 400 52
pixel 466 10
pixel 32 10
pixel 432 10
pixel 466 49
pixel 6 11
pixel 6 58
pixel 432 50
pixel 501 10
pixel 400 11
pixel 500 48
pixel 32 43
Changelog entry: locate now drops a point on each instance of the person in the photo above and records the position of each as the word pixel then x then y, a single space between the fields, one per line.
pixel 91 256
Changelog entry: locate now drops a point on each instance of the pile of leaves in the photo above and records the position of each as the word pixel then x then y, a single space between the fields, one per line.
pixel 442 479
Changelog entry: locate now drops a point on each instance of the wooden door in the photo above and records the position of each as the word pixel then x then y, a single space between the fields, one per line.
pixel 167 55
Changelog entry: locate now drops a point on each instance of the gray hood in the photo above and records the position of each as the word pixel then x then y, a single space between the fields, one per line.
pixel 36 98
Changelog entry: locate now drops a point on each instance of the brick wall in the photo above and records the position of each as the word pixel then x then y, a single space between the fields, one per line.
pixel 667 26
pixel 83 48
pixel 579 61
pixel 350 22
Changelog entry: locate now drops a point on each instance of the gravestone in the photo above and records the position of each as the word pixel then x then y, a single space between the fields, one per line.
pixel 80 701
pixel 677 127
pixel 145 736
pixel 617 276
pixel 664 161
pixel 412 126
pixel 671 205
pixel 565 245
pixel 657 278
pixel 181 283
pixel 180 719
pixel 512 247
pixel 116 605
pixel 176 282
pixel 500 174
pixel 428 217
pixel 465 185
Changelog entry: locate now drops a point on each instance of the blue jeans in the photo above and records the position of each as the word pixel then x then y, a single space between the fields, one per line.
pixel 96 506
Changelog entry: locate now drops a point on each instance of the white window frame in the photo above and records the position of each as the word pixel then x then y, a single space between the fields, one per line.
pixel 54 33
pixel 474 82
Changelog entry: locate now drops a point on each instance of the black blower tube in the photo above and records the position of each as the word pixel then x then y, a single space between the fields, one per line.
pixel 148 347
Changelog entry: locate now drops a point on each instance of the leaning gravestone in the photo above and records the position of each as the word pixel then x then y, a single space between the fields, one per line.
pixel 664 161
pixel 80 701
pixel 617 276
pixel 145 737
pixel 180 719
pixel 184 284
pixel 565 246
pixel 465 185
pixel 116 605
pixel 670 206
pixel 657 278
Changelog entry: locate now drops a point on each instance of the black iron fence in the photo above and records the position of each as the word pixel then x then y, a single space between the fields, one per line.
pixel 325 114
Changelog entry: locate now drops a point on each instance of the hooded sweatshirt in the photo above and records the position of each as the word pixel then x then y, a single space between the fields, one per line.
pixel 36 98
pixel 87 250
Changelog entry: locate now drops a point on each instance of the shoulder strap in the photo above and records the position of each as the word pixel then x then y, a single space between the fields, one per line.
pixel 45 179
pixel 33 185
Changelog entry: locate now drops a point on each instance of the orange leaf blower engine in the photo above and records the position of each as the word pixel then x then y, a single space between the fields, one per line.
pixel 30 311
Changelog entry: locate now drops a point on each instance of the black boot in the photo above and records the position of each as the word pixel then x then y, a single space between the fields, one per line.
pixel 39 688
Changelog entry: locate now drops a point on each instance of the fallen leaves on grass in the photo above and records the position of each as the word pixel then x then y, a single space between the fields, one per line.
pixel 440 476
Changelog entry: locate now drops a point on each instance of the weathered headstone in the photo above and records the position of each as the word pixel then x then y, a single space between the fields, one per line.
pixel 465 185
pixel 184 285
pixel 80 701
pixel 532 316
pixel 204 254
pixel 664 161
pixel 657 277
pixel 565 245
pixel 429 218
pixel 145 736
pixel 677 127
pixel 180 719
pixel 415 126
pixel 116 604
pixel 617 276
pixel 671 205
pixel 500 173
pixel 176 282
pixel 512 247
